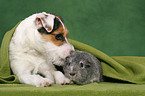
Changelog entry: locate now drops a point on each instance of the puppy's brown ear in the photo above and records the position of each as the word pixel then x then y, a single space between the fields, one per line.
pixel 41 23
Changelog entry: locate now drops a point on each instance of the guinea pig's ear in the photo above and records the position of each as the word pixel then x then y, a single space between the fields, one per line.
pixel 89 64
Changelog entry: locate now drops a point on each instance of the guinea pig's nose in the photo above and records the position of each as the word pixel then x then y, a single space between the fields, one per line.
pixel 72 73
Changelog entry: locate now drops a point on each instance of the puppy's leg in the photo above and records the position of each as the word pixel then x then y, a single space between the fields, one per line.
pixel 60 78
pixel 50 72
pixel 23 71
pixel 36 80
pixel 46 70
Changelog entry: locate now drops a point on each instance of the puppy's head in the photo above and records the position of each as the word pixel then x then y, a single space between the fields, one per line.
pixel 51 28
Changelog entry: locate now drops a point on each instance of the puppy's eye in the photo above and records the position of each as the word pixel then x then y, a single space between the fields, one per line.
pixel 59 36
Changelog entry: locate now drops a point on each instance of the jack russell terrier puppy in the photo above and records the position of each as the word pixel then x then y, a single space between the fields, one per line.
pixel 38 42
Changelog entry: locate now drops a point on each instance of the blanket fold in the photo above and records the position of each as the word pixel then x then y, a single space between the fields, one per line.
pixel 5 71
pixel 126 68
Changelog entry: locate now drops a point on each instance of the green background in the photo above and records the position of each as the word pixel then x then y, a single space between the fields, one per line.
pixel 116 27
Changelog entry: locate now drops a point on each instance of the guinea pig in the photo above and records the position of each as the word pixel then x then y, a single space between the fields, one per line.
pixel 83 68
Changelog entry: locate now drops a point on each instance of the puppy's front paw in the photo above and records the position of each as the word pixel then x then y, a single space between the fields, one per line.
pixel 60 78
pixel 44 83
pixel 63 81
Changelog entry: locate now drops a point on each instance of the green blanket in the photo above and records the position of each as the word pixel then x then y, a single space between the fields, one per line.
pixel 125 68
pixel 94 89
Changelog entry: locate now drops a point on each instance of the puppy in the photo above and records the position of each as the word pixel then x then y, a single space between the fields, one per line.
pixel 38 42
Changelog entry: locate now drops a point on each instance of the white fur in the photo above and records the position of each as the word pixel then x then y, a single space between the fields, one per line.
pixel 29 55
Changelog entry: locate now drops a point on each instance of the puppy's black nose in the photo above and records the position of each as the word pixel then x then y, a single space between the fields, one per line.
pixel 72 73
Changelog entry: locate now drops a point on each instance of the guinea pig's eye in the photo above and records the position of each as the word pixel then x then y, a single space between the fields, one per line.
pixel 81 64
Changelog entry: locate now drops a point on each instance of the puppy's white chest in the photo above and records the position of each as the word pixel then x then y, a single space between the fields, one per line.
pixel 35 58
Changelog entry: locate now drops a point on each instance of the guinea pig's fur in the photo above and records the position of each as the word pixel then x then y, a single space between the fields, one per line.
pixel 83 68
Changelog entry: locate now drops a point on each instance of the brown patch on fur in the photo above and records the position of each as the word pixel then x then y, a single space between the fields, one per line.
pixel 51 37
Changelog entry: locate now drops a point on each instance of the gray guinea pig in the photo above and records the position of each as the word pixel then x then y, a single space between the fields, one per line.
pixel 82 68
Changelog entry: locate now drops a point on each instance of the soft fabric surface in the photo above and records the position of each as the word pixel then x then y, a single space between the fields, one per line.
pixel 131 69
pixel 94 89
pixel 5 71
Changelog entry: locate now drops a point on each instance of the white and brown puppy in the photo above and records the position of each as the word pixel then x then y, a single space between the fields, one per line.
pixel 38 42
